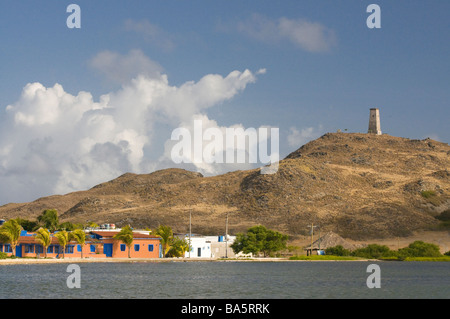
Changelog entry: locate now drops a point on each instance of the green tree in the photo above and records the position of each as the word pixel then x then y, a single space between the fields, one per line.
pixel 166 235
pixel 178 248
pixel 63 240
pixel 49 219
pixel 80 237
pixel 338 250
pixel 247 243
pixel 274 241
pixel 260 239
pixel 420 249
pixel 68 226
pixel 374 251
pixel 28 225
pixel 125 236
pixel 92 225
pixel 10 233
pixel 43 237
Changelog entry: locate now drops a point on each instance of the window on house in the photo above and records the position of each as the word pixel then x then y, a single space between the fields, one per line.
pixel 69 249
pixel 29 249
pixel 92 248
pixel 136 247
pixel 39 249
pixel 150 247
pixel 123 247
pixel 79 248
pixel 8 248
pixel 50 249
pixel 1 248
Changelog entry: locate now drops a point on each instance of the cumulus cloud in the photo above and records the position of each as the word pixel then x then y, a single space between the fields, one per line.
pixel 213 149
pixel 52 141
pixel 297 138
pixel 307 35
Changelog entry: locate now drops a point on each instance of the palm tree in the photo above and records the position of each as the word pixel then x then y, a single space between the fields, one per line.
pixel 10 232
pixel 80 237
pixel 125 236
pixel 49 218
pixel 43 237
pixel 63 239
pixel 179 247
pixel 166 234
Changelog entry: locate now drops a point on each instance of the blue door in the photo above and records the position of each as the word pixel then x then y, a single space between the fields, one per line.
pixel 19 250
pixel 108 249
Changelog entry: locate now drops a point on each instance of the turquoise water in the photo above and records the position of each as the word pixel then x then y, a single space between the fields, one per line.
pixel 234 280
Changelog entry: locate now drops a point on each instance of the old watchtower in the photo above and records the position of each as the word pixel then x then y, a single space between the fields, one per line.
pixel 374 122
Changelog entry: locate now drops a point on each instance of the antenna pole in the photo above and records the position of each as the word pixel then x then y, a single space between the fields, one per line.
pixel 226 237
pixel 190 232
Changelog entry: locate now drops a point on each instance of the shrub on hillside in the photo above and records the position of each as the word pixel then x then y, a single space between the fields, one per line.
pixel 420 249
pixel 428 194
pixel 338 250
pixel 444 216
pixel 374 251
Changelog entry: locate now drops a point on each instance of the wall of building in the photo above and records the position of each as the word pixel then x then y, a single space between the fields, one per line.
pixel 140 248
pixel 200 248
pixel 33 250
pixel 94 248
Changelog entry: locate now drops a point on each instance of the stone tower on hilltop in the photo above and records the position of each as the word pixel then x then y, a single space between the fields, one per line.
pixel 374 122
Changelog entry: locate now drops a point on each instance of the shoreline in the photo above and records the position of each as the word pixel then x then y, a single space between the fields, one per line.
pixel 31 261
pixel 42 261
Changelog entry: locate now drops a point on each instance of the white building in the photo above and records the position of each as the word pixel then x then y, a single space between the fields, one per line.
pixel 211 246
pixel 200 246
pixel 221 247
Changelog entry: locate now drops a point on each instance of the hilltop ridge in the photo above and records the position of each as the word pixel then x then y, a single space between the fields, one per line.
pixel 358 185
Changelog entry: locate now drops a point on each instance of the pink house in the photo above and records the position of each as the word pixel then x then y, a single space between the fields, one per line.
pixel 100 244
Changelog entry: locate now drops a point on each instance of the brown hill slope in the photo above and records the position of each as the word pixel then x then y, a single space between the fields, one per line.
pixel 360 186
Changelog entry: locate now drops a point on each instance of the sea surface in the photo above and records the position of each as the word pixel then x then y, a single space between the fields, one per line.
pixel 234 280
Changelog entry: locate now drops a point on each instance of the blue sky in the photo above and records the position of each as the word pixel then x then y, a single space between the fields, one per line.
pixel 315 67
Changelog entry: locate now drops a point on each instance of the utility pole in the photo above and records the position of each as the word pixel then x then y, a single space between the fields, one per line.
pixel 312 235
pixel 226 237
pixel 190 219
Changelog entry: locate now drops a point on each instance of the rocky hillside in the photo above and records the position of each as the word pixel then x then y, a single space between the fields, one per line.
pixel 360 186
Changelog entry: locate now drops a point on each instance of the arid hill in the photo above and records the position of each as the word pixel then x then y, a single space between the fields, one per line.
pixel 359 186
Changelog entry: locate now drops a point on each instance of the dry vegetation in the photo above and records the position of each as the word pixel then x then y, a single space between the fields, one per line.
pixel 360 186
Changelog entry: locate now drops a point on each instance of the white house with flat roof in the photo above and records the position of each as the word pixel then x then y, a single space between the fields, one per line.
pixel 200 246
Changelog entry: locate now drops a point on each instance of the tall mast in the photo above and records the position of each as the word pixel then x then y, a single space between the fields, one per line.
pixel 226 237
pixel 190 224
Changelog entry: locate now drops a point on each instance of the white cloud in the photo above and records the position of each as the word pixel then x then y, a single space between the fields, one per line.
pixel 54 142
pixel 121 68
pixel 297 138
pixel 310 36
pixel 151 33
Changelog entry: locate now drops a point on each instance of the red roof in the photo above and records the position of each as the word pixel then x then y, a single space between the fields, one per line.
pixel 32 240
